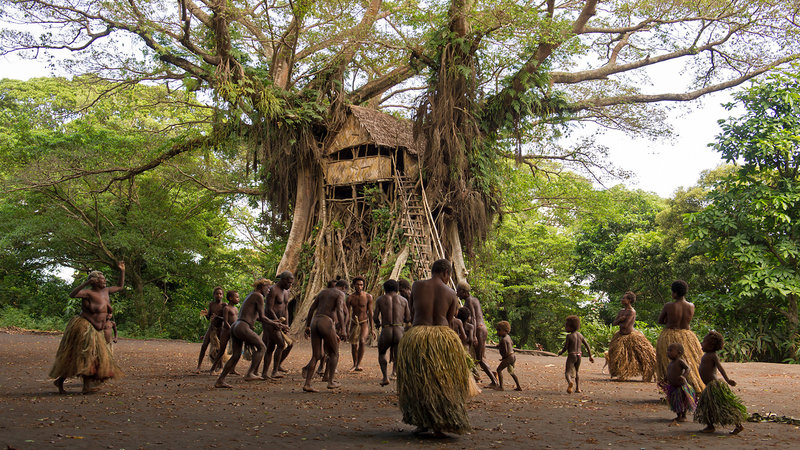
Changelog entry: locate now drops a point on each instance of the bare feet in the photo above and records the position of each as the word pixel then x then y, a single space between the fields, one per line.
pixel 499 388
pixel 708 429
pixel 578 391
pixel 569 388
pixel 519 388
pixel 384 382
pixel 251 377
pixel 222 385
pixel 334 385
pixel 674 423
pixel 309 389
pixel 281 369
pixel 275 374
pixel 737 430
pixel 90 387
pixel 59 383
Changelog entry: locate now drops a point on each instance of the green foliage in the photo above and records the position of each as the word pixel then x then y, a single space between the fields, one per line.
pixel 170 232
pixel 751 227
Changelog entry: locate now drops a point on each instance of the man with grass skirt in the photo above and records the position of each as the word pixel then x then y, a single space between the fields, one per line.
pixel 432 366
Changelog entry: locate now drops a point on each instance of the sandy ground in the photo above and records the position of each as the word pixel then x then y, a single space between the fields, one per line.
pixel 161 403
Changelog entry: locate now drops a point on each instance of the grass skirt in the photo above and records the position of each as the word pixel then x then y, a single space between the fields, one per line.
pixel 718 405
pixel 630 355
pixel 83 352
pixel 433 379
pixel 692 354
pixel 213 346
pixel 681 399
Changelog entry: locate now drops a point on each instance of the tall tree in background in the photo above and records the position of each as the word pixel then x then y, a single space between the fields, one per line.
pixel 751 228
pixel 492 75
pixel 173 235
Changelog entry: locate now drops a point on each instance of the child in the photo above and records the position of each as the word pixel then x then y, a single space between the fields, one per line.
pixel 228 316
pixel 572 345
pixel 110 331
pixel 629 352
pixel 465 316
pixel 507 356
pixel 680 394
pixel 717 403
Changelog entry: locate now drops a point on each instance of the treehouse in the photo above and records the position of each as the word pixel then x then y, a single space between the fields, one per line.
pixel 370 147
pixel 375 199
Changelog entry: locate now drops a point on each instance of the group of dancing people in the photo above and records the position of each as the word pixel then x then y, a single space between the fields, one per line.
pixel 436 343
pixel 685 369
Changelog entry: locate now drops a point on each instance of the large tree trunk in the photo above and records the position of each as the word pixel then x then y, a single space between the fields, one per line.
pixel 454 250
pixel 301 220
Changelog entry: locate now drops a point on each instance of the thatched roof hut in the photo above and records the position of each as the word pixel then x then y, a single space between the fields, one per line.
pixel 371 146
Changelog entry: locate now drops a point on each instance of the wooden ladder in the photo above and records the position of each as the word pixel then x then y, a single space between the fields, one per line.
pixel 418 227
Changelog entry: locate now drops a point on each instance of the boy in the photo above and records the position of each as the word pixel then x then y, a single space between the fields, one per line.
pixel 507 356
pixel 229 314
pixel 391 315
pixel 717 403
pixel 110 330
pixel 212 333
pixel 572 345
pixel 680 394
pixel 325 324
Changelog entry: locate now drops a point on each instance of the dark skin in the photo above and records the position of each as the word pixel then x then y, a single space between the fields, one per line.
pixel 709 365
pixel 359 303
pixel 95 307
pixel 229 315
pixel 391 313
pixel 213 314
pixel 433 302
pixel 677 371
pixel 678 314
pixel 626 317
pixel 479 332
pixel 572 345
pixel 507 358
pixel 325 321
pixel 242 332
pixel 110 328
pixel 277 301
pixel 458 327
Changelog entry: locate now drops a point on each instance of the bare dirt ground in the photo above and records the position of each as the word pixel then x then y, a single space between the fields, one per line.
pixel 162 404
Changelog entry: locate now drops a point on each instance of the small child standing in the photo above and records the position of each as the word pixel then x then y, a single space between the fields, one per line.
pixel 110 331
pixel 717 403
pixel 572 345
pixel 680 394
pixel 507 356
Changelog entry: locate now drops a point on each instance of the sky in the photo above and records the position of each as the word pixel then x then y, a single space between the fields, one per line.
pixel 661 166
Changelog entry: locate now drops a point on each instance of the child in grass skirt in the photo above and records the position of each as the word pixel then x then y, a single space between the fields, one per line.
pixel 680 394
pixel 717 404
pixel 630 353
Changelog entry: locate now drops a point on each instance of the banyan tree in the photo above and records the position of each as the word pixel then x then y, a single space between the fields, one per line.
pixel 301 93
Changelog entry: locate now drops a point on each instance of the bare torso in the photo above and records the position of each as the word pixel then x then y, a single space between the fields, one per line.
pixel 359 303
pixel 506 347
pixel 392 310
pixel 574 342
pixel 677 315
pixel 329 303
pixel 277 302
pixel 626 319
pixel 676 372
pixel 433 302
pixel 252 308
